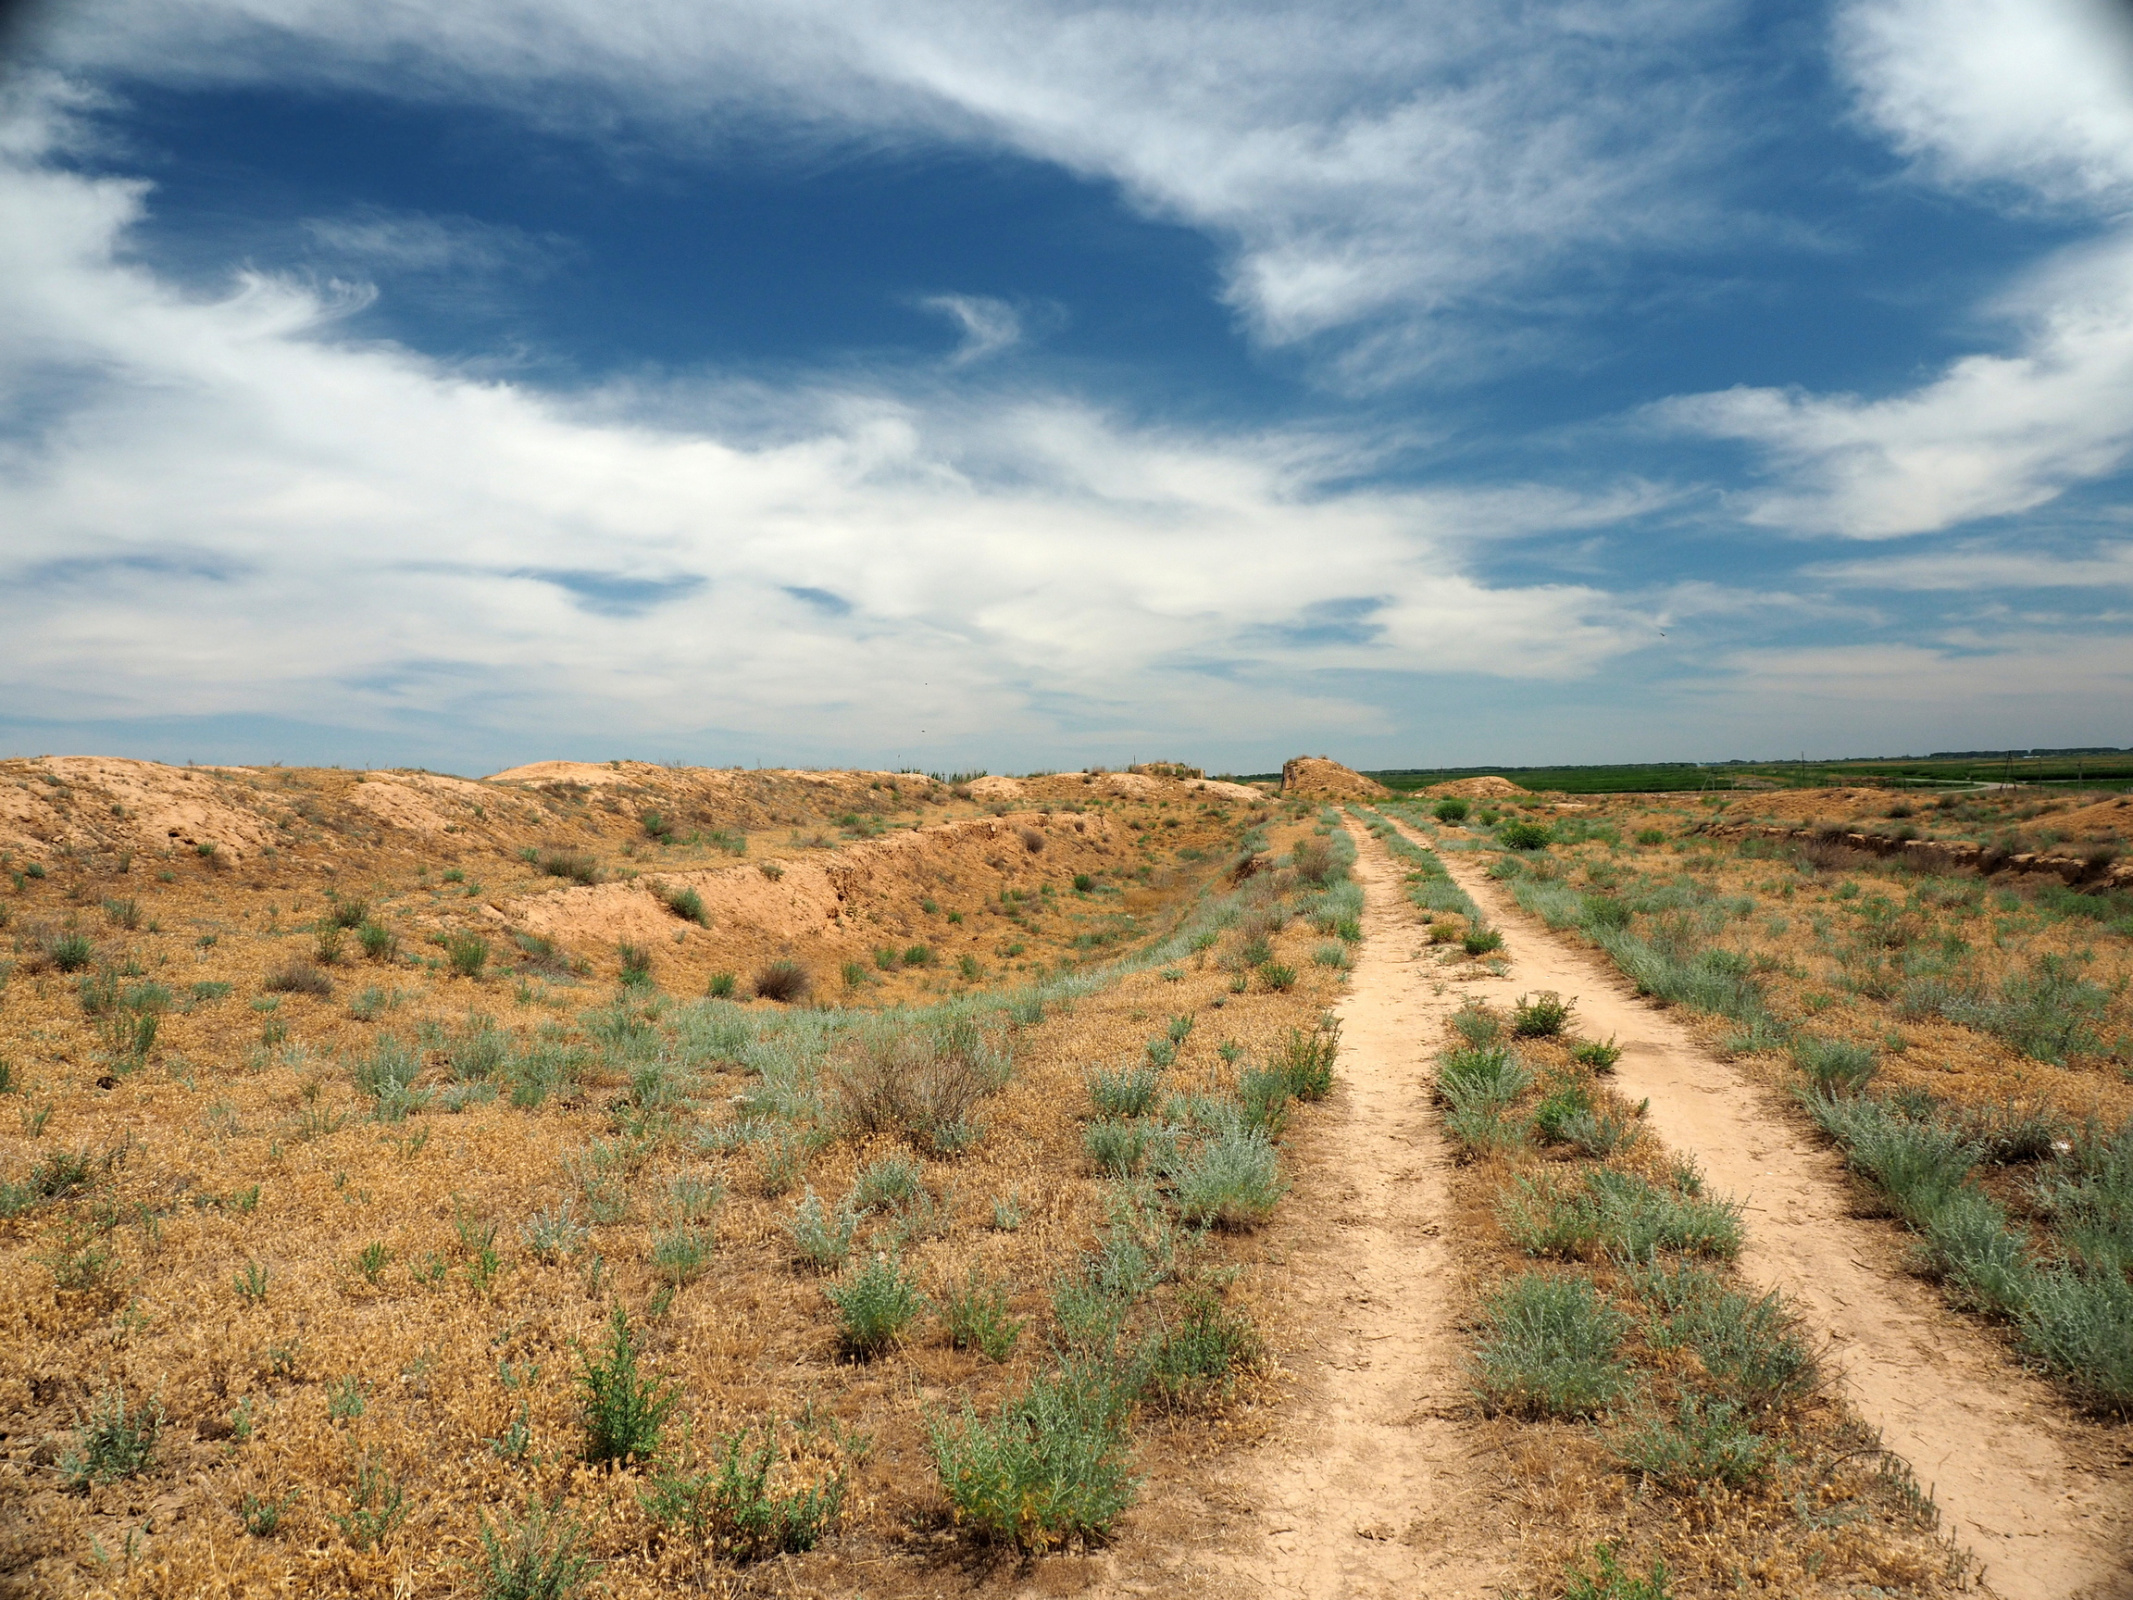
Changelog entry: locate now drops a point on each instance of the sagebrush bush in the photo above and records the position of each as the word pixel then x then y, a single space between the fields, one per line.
pixel 1128 1092
pixel 976 1317
pixel 1756 1347
pixel 874 1306
pixel 110 1443
pixel 821 1238
pixel 1614 1213
pixel 1116 1149
pixel 1198 1355
pixel 1704 1441
pixel 298 977
pixel 1834 1066
pixel 1232 1180
pixel 1550 1348
pixel 1053 1463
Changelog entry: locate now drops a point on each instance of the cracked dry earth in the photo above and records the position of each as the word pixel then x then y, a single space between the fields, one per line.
pixel 2043 1498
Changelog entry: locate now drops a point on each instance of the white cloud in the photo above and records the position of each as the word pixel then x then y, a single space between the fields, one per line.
pixel 2034 96
pixel 1985 571
pixel 1993 435
pixel 1417 170
pixel 222 510
pixel 2033 101
pixel 371 238
pixel 989 326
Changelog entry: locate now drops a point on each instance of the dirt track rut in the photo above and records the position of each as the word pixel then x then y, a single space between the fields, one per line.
pixel 1373 1488
pixel 2042 1498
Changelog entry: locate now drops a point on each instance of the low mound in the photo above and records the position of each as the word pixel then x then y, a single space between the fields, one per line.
pixel 1320 775
pixel 1489 788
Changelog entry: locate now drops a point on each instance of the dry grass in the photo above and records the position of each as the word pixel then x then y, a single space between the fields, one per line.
pixel 364 1299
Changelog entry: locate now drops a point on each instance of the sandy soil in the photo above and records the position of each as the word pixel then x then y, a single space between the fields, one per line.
pixel 1373 1485
pixel 2042 1498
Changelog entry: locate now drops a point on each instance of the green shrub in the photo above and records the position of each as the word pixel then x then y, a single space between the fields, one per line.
pixel 1982 1259
pixel 874 1306
pixel 1307 1061
pixel 687 904
pixel 1233 1180
pixel 1613 1582
pixel 110 1444
pixel 1451 810
pixel 537 1557
pixel 730 1509
pixel 885 1182
pixel 820 1237
pixel 1331 955
pixel 1277 977
pixel 1264 1094
pixel 1651 836
pixel 682 1255
pixel 2089 1198
pixel 625 1411
pixel 1754 1346
pixel 1052 1464
pixel 574 865
pixel 70 952
pixel 1200 1354
pixel 1481 1075
pixel 2079 1326
pixel 1477 1024
pixel 1614 1213
pixel 1128 1092
pixel 1550 1348
pixel 1116 1149
pixel 1525 836
pixel 1479 940
pixel 467 954
pixel 721 986
pixel 1566 1100
pixel 1834 1066
pixel 977 1318
pixel 1919 1163
pixel 1705 1441
pixel 377 941
pixel 1540 1016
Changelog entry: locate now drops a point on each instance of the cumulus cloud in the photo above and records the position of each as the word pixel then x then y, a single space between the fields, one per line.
pixel 2034 96
pixel 244 513
pixel 1400 175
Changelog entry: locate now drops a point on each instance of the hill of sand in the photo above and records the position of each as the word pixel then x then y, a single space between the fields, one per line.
pixel 1488 788
pixel 1320 776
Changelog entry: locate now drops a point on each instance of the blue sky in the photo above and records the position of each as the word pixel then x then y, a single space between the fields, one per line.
pixel 950 384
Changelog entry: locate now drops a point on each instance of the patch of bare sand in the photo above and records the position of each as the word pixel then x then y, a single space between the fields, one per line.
pixel 1371 1483
pixel 2042 1497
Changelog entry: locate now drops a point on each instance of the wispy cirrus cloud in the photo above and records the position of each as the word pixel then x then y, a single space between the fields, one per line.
pixel 278 516
pixel 1396 181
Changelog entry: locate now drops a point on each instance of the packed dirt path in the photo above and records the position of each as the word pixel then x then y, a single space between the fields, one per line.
pixel 2041 1497
pixel 1372 1487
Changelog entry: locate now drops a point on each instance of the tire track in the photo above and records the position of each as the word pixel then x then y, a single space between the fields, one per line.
pixel 2041 1497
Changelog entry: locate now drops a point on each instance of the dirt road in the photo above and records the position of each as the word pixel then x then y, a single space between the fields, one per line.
pixel 2043 1499
pixel 1372 1489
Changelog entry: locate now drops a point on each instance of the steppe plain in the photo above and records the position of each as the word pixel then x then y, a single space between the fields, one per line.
pixel 640 1180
